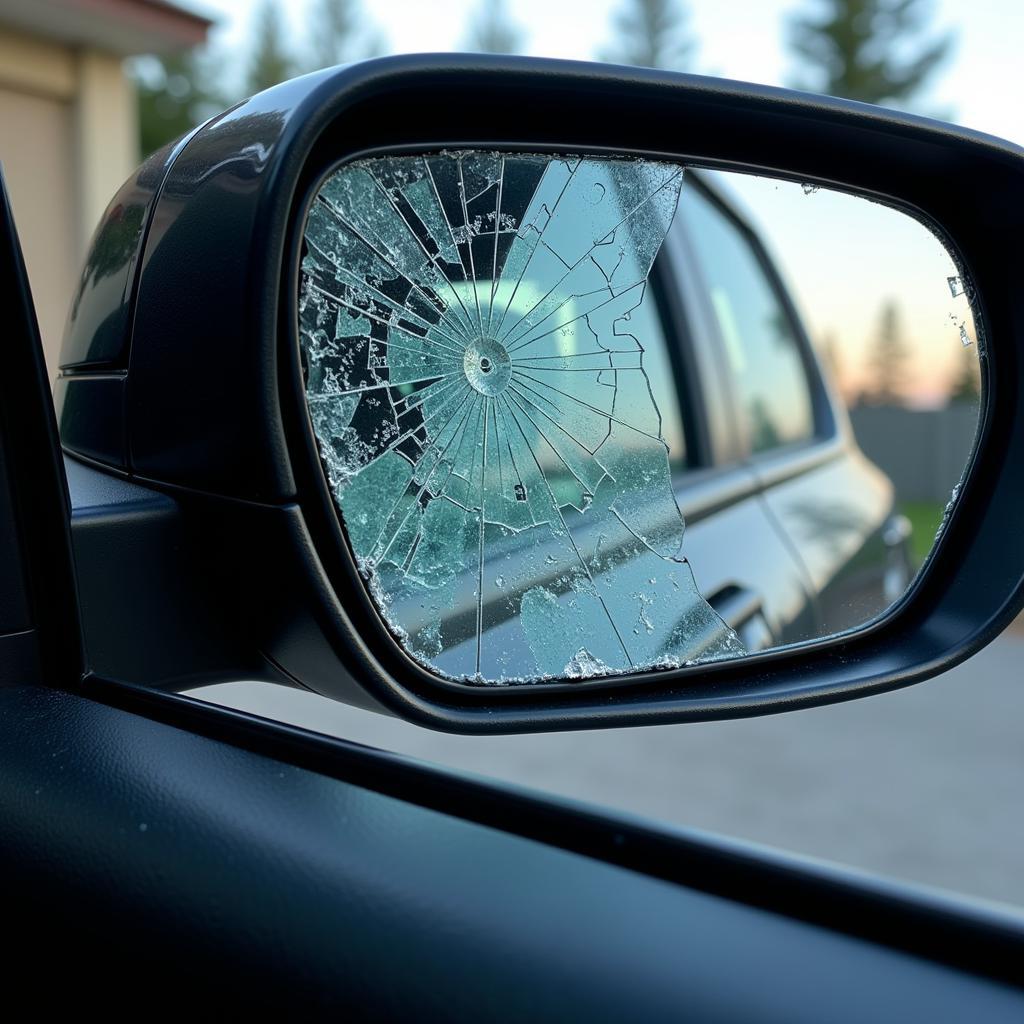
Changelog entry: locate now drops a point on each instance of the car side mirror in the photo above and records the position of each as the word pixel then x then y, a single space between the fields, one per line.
pixel 489 392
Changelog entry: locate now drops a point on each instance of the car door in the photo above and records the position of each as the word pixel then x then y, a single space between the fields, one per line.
pixel 824 500
pixel 40 638
pixel 745 568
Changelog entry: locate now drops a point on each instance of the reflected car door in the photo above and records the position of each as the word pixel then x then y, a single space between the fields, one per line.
pixel 742 564
pixel 830 504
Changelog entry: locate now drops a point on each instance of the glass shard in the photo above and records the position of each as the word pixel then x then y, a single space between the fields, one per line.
pixel 484 414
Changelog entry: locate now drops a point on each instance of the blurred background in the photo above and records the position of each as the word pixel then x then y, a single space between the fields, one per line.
pixel 922 784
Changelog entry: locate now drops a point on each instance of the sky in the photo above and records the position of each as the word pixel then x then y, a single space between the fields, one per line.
pixel 740 39
pixel 840 288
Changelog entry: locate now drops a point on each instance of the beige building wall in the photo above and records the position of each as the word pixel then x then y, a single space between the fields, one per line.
pixel 67 141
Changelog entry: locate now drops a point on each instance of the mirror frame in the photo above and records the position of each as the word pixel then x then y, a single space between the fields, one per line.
pixel 242 462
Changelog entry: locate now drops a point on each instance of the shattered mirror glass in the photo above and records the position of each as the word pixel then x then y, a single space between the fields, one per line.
pixel 524 373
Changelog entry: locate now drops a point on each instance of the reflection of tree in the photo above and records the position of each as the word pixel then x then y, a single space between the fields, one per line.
pixel 830 523
pixel 765 434
pixel 887 361
pixel 966 385
pixel 239 138
pixel 780 328
pixel 113 247
pixel 870 50
pixel 493 31
pixel 651 34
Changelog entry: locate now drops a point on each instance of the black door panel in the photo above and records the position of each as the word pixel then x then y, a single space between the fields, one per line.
pixel 736 548
pixel 39 632
pixel 178 866
pixel 834 516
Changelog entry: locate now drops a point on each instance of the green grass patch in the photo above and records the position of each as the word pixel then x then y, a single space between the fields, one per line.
pixel 925 517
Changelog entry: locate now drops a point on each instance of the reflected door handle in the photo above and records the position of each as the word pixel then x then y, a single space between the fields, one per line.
pixel 742 609
pixel 736 605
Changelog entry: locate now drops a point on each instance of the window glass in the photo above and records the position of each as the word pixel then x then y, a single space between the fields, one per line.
pixel 760 347
pixel 645 322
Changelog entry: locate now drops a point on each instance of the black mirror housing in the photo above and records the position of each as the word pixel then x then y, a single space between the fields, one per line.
pixel 184 378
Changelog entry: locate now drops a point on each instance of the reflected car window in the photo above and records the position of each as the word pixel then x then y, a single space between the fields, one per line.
pixel 761 349
pixel 645 322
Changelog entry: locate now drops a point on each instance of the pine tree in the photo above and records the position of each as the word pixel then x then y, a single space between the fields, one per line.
pixel 966 385
pixel 888 360
pixel 651 34
pixel 877 51
pixel 829 350
pixel 175 93
pixel 493 31
pixel 341 32
pixel 270 62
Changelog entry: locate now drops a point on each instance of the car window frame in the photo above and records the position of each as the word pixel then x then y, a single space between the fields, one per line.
pixel 717 475
pixel 697 389
pixel 825 423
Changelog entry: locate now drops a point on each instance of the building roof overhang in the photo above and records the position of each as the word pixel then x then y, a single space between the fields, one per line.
pixel 123 27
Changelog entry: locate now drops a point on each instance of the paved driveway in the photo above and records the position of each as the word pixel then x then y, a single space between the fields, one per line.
pixel 925 784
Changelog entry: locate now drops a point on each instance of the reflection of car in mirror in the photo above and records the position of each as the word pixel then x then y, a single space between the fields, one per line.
pixel 515 416
pixel 537 411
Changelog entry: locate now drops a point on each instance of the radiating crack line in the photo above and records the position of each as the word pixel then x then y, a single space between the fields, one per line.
pixel 558 455
pixel 377 387
pixel 522 340
pixel 425 394
pixel 512 458
pixel 360 283
pixel 419 241
pixel 455 246
pixel 388 344
pixel 546 415
pixel 469 244
pixel 469 436
pixel 410 433
pixel 572 541
pixel 540 234
pixel 501 471
pixel 598 243
pixel 586 405
pixel 407 314
pixel 480 564
pixel 585 369
pixel 497 238
pixel 442 312
pixel 570 355
pixel 466 412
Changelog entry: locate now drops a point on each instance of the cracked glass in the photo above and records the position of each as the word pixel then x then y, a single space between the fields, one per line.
pixel 478 354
